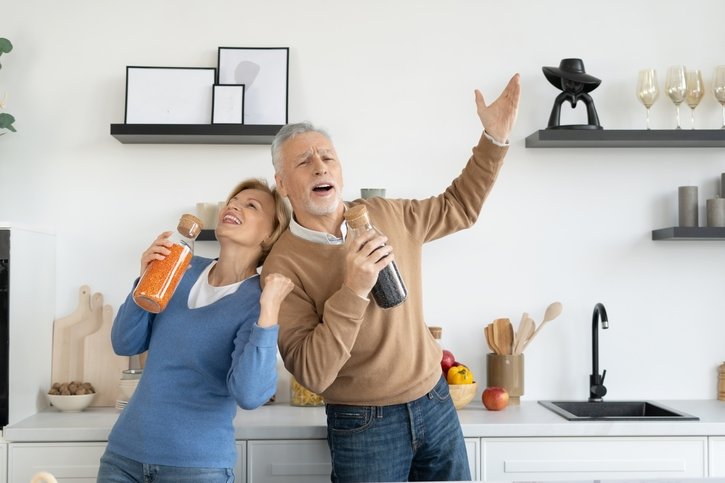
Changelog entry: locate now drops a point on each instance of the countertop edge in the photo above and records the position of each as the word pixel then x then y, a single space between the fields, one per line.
pixel 280 421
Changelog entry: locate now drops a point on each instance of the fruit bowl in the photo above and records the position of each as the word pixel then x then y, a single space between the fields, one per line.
pixel 462 394
pixel 72 403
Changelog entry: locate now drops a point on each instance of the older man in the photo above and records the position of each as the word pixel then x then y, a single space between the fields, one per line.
pixel 389 413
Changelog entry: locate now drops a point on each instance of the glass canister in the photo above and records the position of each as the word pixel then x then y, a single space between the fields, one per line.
pixel 437 333
pixel 161 277
pixel 389 290
pixel 299 395
pixel 721 382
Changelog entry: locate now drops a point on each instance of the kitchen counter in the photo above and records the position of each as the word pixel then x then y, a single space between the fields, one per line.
pixel 281 421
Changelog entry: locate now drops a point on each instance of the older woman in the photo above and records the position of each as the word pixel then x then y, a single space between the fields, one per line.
pixel 214 347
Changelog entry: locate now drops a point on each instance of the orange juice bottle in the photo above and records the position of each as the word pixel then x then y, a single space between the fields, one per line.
pixel 161 277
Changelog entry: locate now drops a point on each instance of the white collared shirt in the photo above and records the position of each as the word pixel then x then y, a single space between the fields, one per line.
pixel 317 236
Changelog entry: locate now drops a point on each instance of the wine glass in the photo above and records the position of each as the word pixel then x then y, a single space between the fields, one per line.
pixel 718 88
pixel 695 91
pixel 675 86
pixel 647 89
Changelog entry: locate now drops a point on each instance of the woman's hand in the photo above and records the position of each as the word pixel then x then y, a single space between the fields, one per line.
pixel 276 288
pixel 158 250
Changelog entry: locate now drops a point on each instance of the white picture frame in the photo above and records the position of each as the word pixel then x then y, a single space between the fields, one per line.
pixel 228 104
pixel 264 71
pixel 169 95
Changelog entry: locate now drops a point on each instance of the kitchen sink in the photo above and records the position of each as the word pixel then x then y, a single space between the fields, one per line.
pixel 616 411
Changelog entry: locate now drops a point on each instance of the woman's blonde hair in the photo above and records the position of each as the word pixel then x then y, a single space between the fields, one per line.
pixel 281 214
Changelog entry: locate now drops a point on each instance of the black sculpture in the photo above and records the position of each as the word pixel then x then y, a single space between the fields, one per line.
pixel 575 83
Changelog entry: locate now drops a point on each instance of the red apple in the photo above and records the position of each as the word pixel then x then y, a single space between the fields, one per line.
pixel 495 398
pixel 447 361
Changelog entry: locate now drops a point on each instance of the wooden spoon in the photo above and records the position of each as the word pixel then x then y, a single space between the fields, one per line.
pixel 552 312
pixel 526 329
pixel 503 335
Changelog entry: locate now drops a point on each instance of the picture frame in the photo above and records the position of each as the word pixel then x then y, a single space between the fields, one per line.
pixel 169 95
pixel 228 104
pixel 265 73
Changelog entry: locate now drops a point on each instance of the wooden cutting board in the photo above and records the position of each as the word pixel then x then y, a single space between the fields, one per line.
pixel 101 366
pixel 61 363
pixel 77 332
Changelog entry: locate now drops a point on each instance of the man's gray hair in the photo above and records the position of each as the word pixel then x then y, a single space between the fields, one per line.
pixel 286 133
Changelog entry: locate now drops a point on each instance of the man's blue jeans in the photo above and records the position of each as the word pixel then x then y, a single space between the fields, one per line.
pixel 119 469
pixel 417 441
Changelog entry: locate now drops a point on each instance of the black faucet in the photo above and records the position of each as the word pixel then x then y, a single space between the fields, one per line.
pixel 596 381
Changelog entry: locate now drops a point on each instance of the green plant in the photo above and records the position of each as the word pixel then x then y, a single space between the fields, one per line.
pixel 6 119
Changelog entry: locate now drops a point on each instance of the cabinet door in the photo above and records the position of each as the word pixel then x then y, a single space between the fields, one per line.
pixel 473 450
pixel 716 457
pixel 593 458
pixel 288 461
pixel 3 462
pixel 240 469
pixel 68 462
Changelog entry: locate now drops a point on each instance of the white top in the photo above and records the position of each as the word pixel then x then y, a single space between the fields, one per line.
pixel 203 294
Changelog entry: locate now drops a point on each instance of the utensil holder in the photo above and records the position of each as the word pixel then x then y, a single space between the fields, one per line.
pixel 506 371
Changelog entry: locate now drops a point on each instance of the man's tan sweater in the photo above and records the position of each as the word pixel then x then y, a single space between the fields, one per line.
pixel 348 349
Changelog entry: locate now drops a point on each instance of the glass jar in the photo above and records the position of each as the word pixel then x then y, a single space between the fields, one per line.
pixel 299 395
pixel 161 277
pixel 389 290
pixel 721 382
pixel 437 333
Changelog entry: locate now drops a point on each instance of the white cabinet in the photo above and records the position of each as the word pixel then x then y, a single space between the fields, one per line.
pixel 240 469
pixel 308 461
pixel 72 462
pixel 716 456
pixel 593 458
pixel 3 462
pixel 31 310
pixel 288 461
pixel 68 462
pixel 473 450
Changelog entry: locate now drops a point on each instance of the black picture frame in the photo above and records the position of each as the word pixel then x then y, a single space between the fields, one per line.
pixel 265 73
pixel 228 104
pixel 169 95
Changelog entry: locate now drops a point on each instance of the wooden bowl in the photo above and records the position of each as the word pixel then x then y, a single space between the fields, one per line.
pixel 462 394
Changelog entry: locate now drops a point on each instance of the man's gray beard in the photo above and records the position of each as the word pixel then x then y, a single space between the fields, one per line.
pixel 319 210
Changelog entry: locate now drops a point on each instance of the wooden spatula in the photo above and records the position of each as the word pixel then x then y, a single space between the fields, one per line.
pixel 503 335
pixel 523 333
pixel 489 338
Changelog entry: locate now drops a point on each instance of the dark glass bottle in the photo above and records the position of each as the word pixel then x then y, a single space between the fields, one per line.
pixel 389 290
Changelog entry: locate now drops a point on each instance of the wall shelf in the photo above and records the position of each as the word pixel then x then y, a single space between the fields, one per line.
pixel 689 233
pixel 194 133
pixel 622 138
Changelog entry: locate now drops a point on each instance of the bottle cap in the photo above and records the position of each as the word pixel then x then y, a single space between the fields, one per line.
pixel 357 216
pixel 190 226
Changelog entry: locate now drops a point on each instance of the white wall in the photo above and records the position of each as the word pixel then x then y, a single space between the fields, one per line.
pixel 393 82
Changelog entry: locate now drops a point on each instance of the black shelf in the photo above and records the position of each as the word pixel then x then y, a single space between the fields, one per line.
pixel 206 235
pixel 689 233
pixel 622 138
pixel 194 133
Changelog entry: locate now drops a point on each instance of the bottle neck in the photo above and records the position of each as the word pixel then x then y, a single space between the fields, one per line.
pixel 180 239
